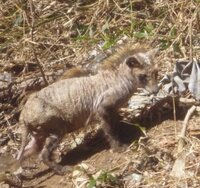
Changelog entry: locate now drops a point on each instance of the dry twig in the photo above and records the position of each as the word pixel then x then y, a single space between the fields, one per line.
pixel 34 52
pixel 178 169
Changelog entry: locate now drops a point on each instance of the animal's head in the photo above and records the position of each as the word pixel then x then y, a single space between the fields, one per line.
pixel 142 67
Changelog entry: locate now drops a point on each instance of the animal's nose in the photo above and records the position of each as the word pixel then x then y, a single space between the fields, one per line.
pixel 155 90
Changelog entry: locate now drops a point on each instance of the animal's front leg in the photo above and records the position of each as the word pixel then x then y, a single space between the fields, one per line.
pixel 107 112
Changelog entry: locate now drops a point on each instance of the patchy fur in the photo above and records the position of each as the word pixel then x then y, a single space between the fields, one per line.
pixel 70 104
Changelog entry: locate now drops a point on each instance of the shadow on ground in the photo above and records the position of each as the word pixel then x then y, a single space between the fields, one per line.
pixel 127 133
pixel 95 143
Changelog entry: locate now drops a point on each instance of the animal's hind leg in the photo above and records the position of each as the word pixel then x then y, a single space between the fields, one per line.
pixel 32 147
pixel 51 143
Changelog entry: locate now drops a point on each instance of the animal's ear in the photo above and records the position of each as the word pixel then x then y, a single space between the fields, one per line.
pixel 151 53
pixel 148 56
pixel 132 62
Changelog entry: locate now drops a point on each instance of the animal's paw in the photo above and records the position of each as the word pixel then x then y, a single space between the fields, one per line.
pixel 62 170
pixel 119 148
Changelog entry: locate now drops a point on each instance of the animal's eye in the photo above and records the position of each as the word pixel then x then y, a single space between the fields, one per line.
pixel 143 77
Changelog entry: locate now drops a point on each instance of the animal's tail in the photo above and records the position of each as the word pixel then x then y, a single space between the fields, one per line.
pixel 24 135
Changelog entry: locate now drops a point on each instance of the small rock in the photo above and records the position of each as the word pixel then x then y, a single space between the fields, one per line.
pixel 134 178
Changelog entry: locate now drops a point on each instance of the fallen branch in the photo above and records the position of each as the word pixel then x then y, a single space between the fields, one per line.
pixel 187 101
pixel 185 122
pixel 178 169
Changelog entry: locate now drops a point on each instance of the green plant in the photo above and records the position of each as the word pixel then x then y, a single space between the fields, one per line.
pixel 144 31
pixel 105 178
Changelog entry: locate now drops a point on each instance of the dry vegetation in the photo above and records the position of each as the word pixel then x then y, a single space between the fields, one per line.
pixel 39 40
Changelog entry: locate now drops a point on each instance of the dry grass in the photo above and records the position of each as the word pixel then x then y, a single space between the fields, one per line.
pixel 39 37
pixel 64 31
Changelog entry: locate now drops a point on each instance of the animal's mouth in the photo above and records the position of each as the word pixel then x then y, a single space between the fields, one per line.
pixel 149 91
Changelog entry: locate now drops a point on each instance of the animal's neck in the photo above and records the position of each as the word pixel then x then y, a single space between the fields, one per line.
pixel 127 80
pixel 120 79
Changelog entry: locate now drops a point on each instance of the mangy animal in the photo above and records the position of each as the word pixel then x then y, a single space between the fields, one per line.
pixel 70 104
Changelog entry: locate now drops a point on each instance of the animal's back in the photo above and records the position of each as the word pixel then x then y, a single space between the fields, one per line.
pixel 72 100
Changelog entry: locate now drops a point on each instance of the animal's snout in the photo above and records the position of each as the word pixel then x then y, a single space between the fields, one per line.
pixel 155 90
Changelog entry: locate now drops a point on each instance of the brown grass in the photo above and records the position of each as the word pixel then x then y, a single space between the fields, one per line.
pixel 40 38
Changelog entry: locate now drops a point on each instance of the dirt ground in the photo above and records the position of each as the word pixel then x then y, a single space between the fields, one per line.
pixel 43 39
pixel 151 158
pixel 147 162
